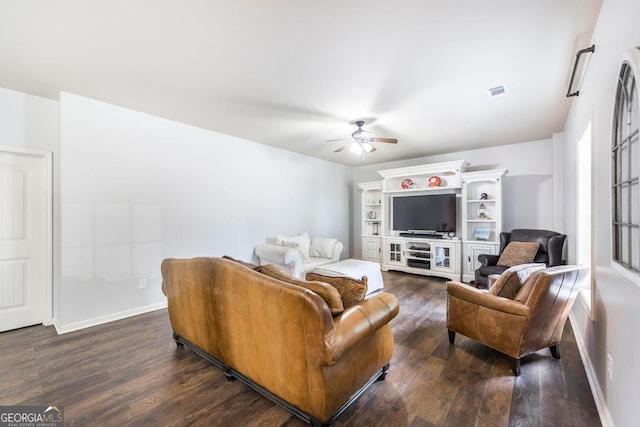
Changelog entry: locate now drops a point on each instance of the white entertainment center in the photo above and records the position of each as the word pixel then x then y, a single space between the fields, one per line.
pixel 449 251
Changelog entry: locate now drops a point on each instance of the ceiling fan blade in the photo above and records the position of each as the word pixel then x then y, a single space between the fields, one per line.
pixel 338 140
pixel 342 148
pixel 387 140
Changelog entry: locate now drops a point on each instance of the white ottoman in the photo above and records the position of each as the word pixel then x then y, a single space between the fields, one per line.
pixel 355 268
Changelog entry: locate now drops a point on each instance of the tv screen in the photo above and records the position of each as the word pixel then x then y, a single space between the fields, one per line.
pixel 432 212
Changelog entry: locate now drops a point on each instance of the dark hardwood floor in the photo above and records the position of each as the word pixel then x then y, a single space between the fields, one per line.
pixel 130 372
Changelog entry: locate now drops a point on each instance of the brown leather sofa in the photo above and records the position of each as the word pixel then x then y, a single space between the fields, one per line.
pixel 549 252
pixel 280 339
pixel 533 320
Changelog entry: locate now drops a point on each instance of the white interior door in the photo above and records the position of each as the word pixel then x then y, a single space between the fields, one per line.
pixel 25 266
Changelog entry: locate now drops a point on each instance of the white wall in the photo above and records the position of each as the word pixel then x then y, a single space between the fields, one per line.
pixel 28 121
pixel 528 189
pixel 617 299
pixel 137 189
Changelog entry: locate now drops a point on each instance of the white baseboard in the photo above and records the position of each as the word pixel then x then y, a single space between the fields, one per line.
pixel 63 329
pixel 601 403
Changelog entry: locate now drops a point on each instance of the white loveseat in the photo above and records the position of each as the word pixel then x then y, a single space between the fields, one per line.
pixel 299 254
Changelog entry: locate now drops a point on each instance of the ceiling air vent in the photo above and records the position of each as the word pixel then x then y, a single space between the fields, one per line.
pixel 497 91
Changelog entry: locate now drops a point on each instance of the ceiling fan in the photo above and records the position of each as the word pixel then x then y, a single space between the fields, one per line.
pixel 361 141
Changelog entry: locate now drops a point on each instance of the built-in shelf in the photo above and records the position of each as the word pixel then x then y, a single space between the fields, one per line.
pixel 372 206
pixel 479 200
pixel 422 190
pixel 481 217
pixel 448 175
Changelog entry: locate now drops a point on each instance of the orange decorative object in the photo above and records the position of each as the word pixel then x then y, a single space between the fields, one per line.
pixel 435 181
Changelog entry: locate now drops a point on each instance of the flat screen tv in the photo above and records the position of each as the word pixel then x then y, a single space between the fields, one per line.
pixel 432 212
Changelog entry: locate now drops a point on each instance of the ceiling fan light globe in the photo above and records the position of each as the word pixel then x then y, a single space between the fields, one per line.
pixel 361 141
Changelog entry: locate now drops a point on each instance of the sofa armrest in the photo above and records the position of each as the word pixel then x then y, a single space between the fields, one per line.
pixel 359 322
pixel 280 255
pixel 485 299
pixel 488 259
pixel 337 251
pixel 554 249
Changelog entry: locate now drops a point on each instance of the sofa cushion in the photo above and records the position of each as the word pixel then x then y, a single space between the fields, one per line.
pixel 327 292
pixel 315 263
pixel 243 263
pixel 510 282
pixel 351 290
pixel 322 247
pixel 518 253
pixel 300 243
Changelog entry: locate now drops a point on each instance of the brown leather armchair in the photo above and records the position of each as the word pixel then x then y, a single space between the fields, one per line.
pixel 533 320
pixel 550 251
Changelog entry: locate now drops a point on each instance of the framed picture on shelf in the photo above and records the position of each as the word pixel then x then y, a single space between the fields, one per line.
pixel 482 233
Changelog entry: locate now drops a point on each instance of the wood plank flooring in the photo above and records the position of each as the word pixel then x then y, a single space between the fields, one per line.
pixel 130 372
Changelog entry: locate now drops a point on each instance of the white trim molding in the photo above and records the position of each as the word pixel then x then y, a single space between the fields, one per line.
pixel 63 329
pixel 598 397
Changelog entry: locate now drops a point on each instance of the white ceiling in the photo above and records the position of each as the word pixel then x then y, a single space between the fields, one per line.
pixel 294 73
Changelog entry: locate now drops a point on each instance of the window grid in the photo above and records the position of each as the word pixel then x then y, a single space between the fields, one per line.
pixel 625 172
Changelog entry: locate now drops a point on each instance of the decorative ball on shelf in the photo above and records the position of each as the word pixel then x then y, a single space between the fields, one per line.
pixel 434 181
pixel 371 214
pixel 484 196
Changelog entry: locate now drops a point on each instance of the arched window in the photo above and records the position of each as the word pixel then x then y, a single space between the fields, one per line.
pixel 625 163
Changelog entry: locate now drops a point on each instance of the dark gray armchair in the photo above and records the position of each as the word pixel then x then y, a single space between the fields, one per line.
pixel 550 251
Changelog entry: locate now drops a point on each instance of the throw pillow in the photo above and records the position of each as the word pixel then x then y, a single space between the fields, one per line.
pixel 300 243
pixel 518 253
pixel 322 247
pixel 327 292
pixel 510 282
pixel 351 290
pixel 243 263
